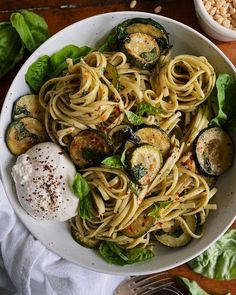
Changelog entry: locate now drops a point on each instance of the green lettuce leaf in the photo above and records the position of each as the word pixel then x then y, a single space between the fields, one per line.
pixel 219 261
pixel 31 27
pixel 192 286
pixel 134 119
pixel 37 73
pixel 85 207
pixel 158 206
pixel 113 162
pixel 148 109
pixel 58 59
pixel 114 254
pixel 80 186
pixel 224 103
pixel 82 189
pixel 11 48
pixel 46 67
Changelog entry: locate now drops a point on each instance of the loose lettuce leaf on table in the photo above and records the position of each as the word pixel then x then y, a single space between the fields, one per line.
pixel 31 27
pixel 223 101
pixel 192 286
pixel 11 48
pixel 219 261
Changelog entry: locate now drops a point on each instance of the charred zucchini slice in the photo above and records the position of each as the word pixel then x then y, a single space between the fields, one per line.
pixel 177 236
pixel 144 25
pixel 142 50
pixel 27 105
pixel 154 136
pixel 89 148
pixel 81 239
pixel 140 226
pixel 24 133
pixel 112 75
pixel 214 151
pixel 144 162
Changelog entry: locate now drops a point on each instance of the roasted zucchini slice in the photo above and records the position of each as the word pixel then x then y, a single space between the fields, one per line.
pixel 81 239
pixel 214 151
pixel 140 226
pixel 24 133
pixel 144 162
pixel 89 148
pixel 177 236
pixel 142 50
pixel 27 106
pixel 154 136
pixel 144 25
pixel 112 75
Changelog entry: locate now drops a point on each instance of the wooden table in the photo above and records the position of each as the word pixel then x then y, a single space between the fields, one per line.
pixel 60 14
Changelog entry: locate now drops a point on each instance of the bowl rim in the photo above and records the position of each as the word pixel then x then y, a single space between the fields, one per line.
pixel 128 14
pixel 211 22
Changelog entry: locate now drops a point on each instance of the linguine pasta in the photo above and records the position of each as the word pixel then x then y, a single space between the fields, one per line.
pixel 84 98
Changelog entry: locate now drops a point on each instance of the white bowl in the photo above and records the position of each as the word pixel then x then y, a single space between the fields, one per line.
pixel 56 236
pixel 210 26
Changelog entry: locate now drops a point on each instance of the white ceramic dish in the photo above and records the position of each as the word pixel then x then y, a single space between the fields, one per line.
pixel 210 26
pixel 56 236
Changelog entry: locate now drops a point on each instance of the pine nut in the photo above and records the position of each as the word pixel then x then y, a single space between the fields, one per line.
pixel 158 9
pixel 233 22
pixel 220 3
pixel 217 16
pixel 220 20
pixel 213 11
pixel 233 16
pixel 133 3
pixel 226 23
pixel 232 10
pixel 208 5
pixel 222 11
pixel 234 3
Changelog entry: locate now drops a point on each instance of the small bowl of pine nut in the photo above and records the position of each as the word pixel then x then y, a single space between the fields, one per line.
pixel 217 18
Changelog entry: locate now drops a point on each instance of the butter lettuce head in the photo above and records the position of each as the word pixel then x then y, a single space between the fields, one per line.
pixel 219 261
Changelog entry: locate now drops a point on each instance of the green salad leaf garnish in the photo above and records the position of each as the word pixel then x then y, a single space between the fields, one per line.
pixel 134 119
pixel 148 109
pixel 114 254
pixel 113 162
pixel 46 67
pixel 82 189
pixel 158 206
pixel 223 101
pixel 37 73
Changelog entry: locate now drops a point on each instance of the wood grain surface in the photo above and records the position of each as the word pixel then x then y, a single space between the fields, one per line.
pixel 60 14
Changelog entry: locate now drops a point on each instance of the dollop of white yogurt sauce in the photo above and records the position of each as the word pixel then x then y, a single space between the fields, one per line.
pixel 43 178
